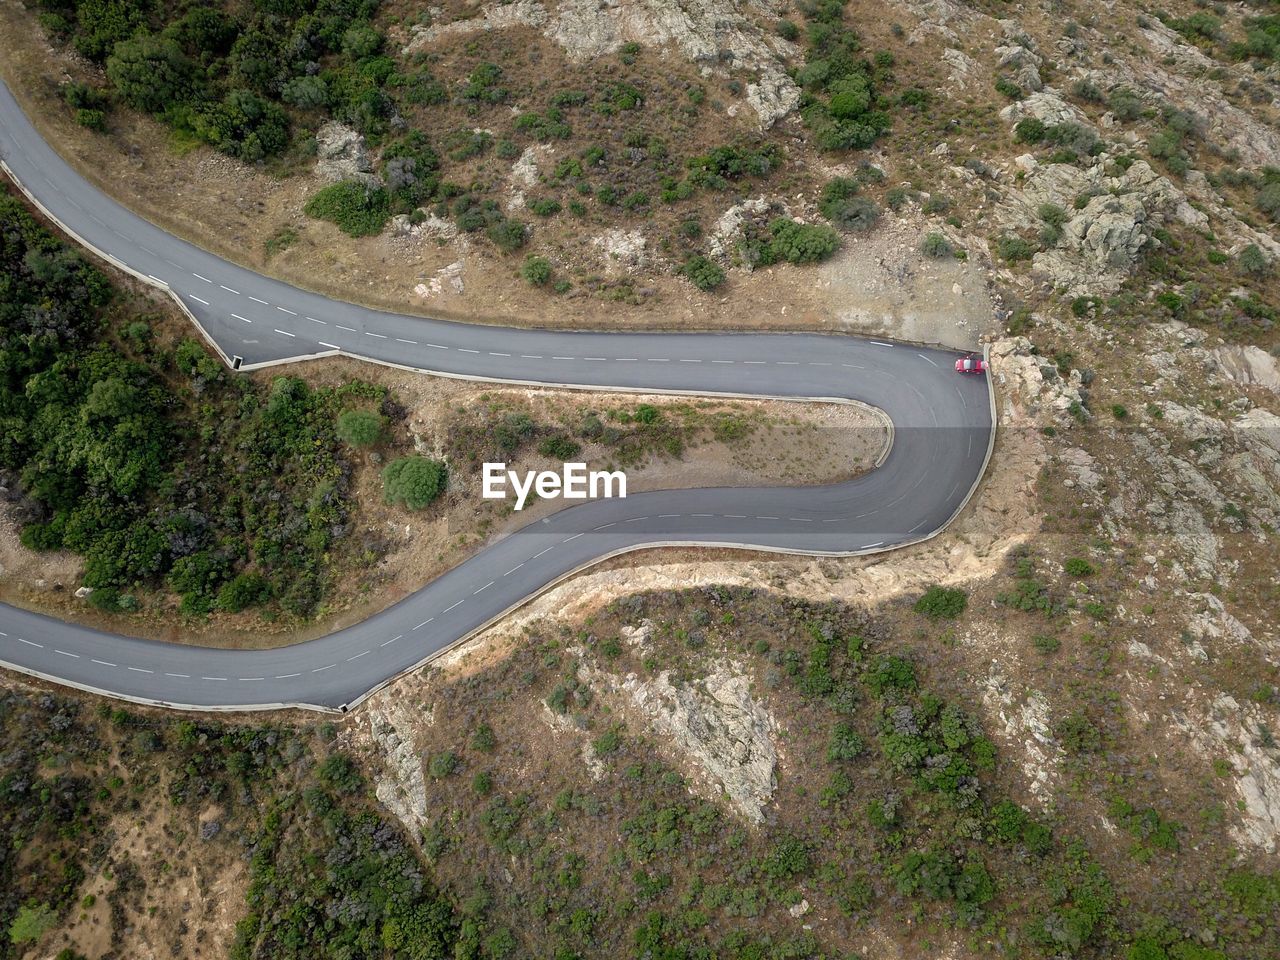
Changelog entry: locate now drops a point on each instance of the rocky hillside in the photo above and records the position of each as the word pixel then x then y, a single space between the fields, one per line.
pixel 1050 732
pixel 613 163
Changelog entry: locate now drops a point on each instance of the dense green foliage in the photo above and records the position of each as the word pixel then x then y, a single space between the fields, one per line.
pixel 97 428
pixel 360 428
pixel 703 273
pixel 798 242
pixel 839 86
pixel 227 77
pixel 1262 39
pixel 372 899
pixel 414 481
pixel 942 603
pixel 357 209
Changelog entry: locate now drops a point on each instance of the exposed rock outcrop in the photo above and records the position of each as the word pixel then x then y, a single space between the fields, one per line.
pixel 623 250
pixel 341 154
pixel 1237 734
pixel 714 34
pixel 1102 240
pixel 1249 366
pixel 720 728
pixel 1044 105
pixel 403 790
pixel 723 737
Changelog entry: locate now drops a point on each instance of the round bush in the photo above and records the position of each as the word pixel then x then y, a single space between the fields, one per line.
pixel 414 481
pixel 536 270
pixel 359 428
pixel 937 246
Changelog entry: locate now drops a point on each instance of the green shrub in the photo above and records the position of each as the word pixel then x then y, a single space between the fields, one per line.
pixel 152 73
pixel 703 273
pixel 414 481
pixel 937 246
pixel 1046 644
pixel 483 739
pixel 847 212
pixel 559 447
pixel 536 270
pixel 1012 248
pixel 1007 88
pixel 845 743
pixel 798 242
pixel 508 235
pixel 941 603
pixel 545 207
pixel 244 125
pixel 243 591
pixel 716 168
pixel 360 428
pixel 1079 567
pixel 341 773
pixel 443 765
pixel 1078 734
pixel 891 673
pixel 1253 261
pixel 356 209
pixel 1029 130
pixel 95 120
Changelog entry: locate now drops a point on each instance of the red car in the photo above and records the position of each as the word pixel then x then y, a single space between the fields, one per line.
pixel 971 364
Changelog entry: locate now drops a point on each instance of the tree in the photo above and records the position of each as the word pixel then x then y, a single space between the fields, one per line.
pixel 360 428
pixel 414 481
pixel 32 923
pixel 152 73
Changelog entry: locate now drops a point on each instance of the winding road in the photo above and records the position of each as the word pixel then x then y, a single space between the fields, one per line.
pixel 943 428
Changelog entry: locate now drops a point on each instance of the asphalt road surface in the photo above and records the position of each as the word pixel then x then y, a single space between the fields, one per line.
pixel 942 430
